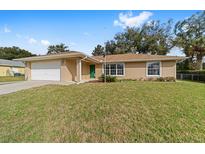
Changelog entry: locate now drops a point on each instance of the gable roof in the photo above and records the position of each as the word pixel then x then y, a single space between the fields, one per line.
pixel 130 57
pixel 70 54
pixel 4 62
pixel 99 59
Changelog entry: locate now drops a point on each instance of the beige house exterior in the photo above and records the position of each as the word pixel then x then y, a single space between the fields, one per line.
pixel 9 67
pixel 78 67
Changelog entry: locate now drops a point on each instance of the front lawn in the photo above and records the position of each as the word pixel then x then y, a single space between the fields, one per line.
pixel 96 112
pixel 11 78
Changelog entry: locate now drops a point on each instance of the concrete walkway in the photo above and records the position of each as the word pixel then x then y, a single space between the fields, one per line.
pixel 9 87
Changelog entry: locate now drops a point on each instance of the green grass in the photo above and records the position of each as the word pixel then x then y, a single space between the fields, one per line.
pixel 11 78
pixel 116 112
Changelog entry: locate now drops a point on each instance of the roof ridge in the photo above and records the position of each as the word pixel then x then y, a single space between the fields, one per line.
pixel 135 54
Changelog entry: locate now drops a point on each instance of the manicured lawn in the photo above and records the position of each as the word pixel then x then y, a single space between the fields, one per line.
pixel 94 112
pixel 11 78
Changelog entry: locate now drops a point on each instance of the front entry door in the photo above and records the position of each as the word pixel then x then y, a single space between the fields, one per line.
pixel 92 71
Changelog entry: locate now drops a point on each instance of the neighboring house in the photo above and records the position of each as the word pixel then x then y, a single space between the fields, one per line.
pixel 76 66
pixel 10 67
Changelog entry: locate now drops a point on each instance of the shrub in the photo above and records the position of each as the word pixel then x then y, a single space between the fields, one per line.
pixel 151 79
pixel 160 79
pixel 122 80
pixel 108 78
pixel 166 79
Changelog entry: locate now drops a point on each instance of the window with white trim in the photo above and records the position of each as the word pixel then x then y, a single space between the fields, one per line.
pixel 153 68
pixel 114 69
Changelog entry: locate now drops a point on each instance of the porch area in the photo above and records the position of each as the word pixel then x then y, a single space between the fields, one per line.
pixel 79 70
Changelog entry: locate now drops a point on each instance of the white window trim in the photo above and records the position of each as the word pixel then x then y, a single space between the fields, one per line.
pixel 116 69
pixel 160 69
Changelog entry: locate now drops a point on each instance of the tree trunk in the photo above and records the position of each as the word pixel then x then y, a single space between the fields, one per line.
pixel 199 65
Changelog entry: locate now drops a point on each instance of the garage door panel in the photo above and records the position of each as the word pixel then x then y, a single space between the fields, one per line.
pixel 46 65
pixel 46 70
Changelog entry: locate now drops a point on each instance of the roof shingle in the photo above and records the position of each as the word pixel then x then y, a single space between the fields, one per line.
pixel 135 57
pixel 4 62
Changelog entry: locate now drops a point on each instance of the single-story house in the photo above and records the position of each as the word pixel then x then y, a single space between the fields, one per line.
pixel 10 67
pixel 76 66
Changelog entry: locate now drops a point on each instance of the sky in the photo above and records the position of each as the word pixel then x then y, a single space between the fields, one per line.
pixel 80 30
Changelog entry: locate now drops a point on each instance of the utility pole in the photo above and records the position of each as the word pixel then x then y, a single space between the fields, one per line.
pixel 105 66
pixel 105 60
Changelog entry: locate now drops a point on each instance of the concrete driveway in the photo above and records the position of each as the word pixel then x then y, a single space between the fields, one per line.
pixel 6 88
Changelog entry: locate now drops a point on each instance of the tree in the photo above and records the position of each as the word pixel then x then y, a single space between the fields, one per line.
pixel 156 38
pixel 190 36
pixel 153 38
pixel 54 49
pixel 10 53
pixel 110 47
pixel 99 50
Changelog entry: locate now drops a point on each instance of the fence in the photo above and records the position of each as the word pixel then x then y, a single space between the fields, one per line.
pixel 193 77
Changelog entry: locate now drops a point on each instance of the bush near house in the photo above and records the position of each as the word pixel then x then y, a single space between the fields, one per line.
pixel 166 79
pixel 108 78
pixel 162 79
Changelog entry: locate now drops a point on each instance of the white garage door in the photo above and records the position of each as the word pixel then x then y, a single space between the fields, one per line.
pixel 46 70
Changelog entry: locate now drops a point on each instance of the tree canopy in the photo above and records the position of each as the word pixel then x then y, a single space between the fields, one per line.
pixel 153 38
pixel 10 53
pixel 99 50
pixel 54 49
pixel 190 36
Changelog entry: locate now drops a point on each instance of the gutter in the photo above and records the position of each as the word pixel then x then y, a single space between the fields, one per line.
pixel 84 58
pixel 58 56
pixel 143 60
pixel 91 59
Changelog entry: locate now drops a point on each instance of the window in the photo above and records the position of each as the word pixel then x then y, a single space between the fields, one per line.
pixel 120 69
pixel 153 69
pixel 114 69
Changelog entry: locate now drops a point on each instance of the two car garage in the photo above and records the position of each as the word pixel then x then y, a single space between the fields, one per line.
pixel 46 70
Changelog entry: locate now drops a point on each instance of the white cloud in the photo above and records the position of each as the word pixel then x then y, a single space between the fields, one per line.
pixel 128 20
pixel 6 29
pixel 176 52
pixel 32 41
pixel 45 42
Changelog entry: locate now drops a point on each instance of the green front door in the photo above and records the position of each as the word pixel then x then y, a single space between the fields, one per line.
pixel 92 71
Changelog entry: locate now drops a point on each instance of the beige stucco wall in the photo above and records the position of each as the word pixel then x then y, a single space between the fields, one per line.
pixel 28 71
pixel 98 70
pixel 133 70
pixel 168 69
pixel 7 70
pixel 20 70
pixel 68 70
pixel 137 70
pixel 85 70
